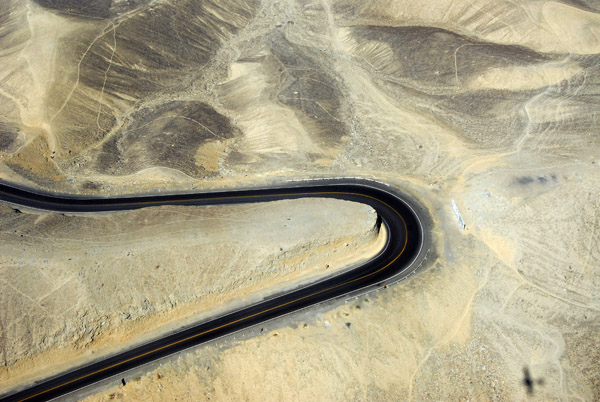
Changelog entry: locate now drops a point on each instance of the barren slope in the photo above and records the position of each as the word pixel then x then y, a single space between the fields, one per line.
pixel 491 104
pixel 76 287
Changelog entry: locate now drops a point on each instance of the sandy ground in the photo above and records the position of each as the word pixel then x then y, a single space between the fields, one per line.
pixel 77 287
pixel 492 105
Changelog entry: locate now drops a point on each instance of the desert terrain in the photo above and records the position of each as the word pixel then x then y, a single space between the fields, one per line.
pixel 77 287
pixel 492 105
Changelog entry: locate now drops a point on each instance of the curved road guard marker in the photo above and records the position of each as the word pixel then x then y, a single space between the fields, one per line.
pixel 402 255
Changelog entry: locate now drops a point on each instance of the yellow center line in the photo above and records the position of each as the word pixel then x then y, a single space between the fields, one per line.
pixel 252 315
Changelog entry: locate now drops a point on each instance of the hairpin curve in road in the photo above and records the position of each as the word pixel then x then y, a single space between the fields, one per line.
pixel 405 249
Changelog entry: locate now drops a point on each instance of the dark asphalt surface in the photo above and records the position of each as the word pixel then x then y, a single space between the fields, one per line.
pixel 404 251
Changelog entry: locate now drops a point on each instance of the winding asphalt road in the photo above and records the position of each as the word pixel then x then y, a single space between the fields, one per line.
pixel 402 255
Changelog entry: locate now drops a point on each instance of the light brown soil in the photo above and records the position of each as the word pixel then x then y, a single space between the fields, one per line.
pixel 491 104
pixel 78 287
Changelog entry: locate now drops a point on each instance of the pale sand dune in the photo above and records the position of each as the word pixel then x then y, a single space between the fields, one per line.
pixel 525 78
pixel 269 129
